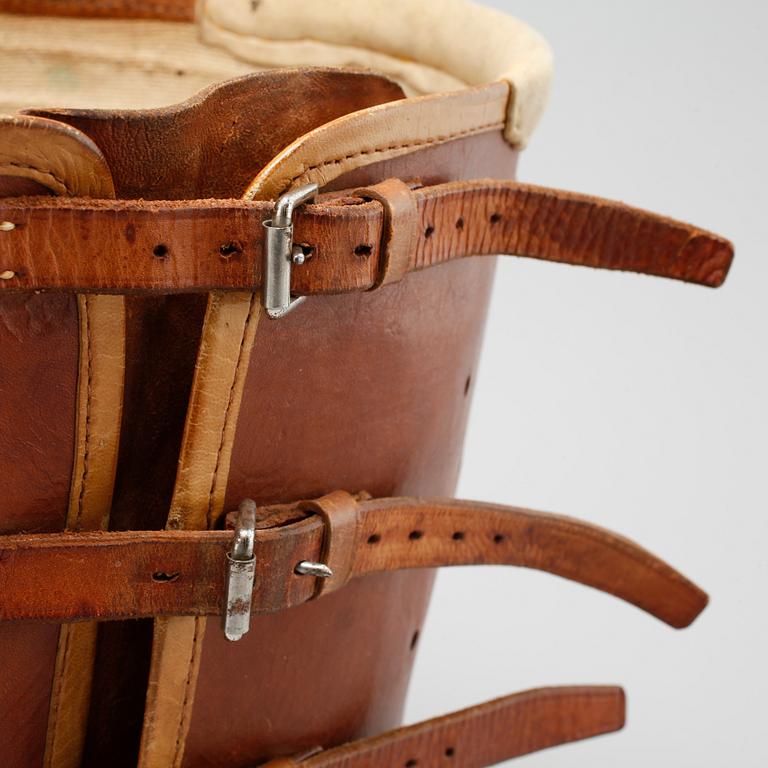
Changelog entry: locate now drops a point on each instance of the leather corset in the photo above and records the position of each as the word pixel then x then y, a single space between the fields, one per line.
pixel 269 297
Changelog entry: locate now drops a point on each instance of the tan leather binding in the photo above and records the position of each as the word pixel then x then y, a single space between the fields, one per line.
pixel 484 735
pixel 118 242
pixel 381 133
pixel 63 161
pixel 222 362
pixel 137 573
pixel 56 156
pixel 100 391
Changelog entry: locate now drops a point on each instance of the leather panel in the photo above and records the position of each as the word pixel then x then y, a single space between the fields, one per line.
pixel 38 381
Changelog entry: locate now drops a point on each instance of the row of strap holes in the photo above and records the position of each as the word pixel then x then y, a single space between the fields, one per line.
pixel 227 250
pixel 495 218
pixel 413 762
pixel 375 538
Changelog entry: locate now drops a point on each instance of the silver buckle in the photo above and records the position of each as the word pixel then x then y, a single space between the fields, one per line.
pixel 236 620
pixel 280 253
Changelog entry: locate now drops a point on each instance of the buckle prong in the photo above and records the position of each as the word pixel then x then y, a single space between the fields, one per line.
pixel 280 253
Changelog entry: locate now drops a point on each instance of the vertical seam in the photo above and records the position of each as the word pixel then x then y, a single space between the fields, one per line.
pixel 87 437
pixel 59 681
pixel 235 379
pixel 58 685
pixel 187 687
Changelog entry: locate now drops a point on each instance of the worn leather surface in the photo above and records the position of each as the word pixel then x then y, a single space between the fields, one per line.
pixel 214 144
pixel 181 572
pixel 381 133
pixel 212 244
pixel 38 381
pixel 484 735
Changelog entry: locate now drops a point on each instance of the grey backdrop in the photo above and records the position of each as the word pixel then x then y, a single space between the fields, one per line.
pixel 636 403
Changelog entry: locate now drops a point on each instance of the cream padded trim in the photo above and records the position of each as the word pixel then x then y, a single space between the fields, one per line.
pixel 429 46
pixel 454 39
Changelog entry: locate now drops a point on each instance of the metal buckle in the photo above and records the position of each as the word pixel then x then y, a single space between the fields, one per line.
pixel 280 253
pixel 236 620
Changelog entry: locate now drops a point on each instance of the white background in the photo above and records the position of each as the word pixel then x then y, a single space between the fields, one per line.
pixel 633 402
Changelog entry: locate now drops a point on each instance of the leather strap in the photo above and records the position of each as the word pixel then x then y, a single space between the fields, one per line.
pixel 483 735
pixel 203 245
pixel 69 576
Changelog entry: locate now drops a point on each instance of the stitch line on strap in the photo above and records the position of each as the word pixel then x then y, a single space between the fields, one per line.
pixel 87 438
pixel 248 319
pixel 395 147
pixel 187 688
pixel 44 172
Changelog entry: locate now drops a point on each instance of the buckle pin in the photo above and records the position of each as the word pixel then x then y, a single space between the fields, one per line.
pixel 280 253
pixel 241 570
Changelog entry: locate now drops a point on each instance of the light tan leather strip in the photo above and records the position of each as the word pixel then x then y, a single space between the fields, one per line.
pixel 381 133
pixel 100 403
pixel 483 735
pixel 177 246
pixel 55 155
pixel 113 575
pixel 222 363
pixel 100 398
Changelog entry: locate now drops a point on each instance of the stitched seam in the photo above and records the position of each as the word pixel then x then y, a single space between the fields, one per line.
pixel 89 390
pixel 229 406
pixel 187 687
pixel 395 147
pixel 57 691
pixel 24 166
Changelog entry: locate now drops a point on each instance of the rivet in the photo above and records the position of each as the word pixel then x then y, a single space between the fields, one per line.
pixel 7 226
pixel 7 275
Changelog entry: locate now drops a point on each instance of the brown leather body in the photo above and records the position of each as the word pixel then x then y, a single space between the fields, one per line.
pixel 368 392
pixel 38 384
